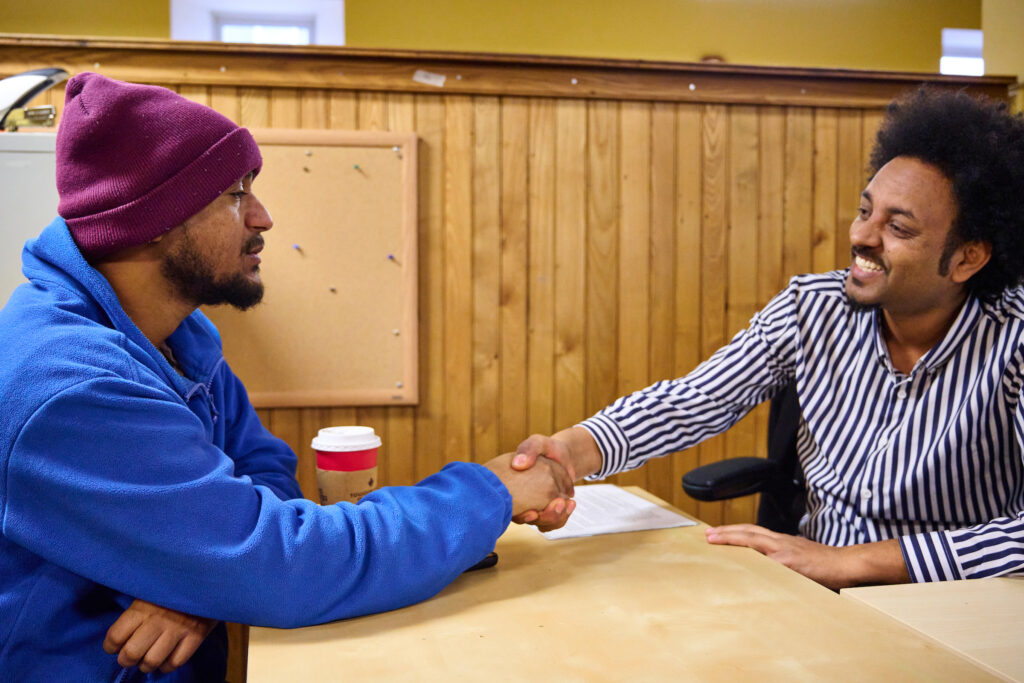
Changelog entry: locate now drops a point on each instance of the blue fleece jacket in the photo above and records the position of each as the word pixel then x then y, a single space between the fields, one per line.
pixel 120 478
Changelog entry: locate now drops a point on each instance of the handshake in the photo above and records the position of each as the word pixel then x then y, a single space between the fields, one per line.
pixel 539 476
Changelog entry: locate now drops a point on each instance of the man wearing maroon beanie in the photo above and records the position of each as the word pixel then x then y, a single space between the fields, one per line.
pixel 133 470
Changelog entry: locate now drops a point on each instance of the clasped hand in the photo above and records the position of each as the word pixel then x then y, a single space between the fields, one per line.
pixel 544 486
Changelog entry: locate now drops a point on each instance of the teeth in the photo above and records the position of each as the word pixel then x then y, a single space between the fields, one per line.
pixel 864 264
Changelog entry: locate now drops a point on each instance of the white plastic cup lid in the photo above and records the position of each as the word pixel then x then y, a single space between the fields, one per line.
pixel 340 439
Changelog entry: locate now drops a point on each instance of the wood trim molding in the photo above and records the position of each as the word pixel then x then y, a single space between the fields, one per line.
pixel 337 68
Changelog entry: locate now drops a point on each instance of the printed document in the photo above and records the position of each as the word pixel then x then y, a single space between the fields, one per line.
pixel 608 509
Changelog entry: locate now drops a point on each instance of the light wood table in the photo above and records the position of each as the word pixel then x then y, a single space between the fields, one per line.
pixel 982 619
pixel 645 606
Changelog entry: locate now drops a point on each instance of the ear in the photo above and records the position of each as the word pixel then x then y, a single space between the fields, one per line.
pixel 968 260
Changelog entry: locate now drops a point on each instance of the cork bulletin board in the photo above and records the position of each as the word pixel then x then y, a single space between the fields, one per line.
pixel 338 321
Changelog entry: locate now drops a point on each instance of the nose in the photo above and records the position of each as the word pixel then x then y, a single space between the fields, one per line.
pixel 865 232
pixel 257 217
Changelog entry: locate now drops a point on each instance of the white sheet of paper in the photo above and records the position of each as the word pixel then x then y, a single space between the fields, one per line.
pixel 608 509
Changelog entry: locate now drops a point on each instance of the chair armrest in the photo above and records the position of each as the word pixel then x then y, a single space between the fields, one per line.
pixel 730 478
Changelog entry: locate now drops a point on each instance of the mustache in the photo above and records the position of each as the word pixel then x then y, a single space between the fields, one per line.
pixel 252 244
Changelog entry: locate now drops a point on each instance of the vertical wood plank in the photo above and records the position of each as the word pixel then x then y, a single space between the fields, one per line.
pixel 798 195
pixel 771 276
pixel 285 108
pixel 849 179
pixel 714 223
pixel 742 294
pixel 254 107
pixel 871 122
pixel 602 275
pixel 196 93
pixel 826 128
pixel 689 250
pixel 514 248
pixel 377 418
pixel 400 467
pixel 660 471
pixel 634 258
pixel 486 276
pixel 227 101
pixel 541 304
pixel 458 278
pixel 341 106
pixel 429 413
pixel 373 111
pixel 570 262
pixel 286 424
pixel 313 109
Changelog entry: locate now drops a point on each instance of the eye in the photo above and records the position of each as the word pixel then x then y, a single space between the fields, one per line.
pixel 899 230
pixel 863 212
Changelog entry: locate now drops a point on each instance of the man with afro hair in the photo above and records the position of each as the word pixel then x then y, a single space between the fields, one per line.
pixel 908 365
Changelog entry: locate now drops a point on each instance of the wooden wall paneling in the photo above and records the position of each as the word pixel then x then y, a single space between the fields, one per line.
pixel 341 110
pixel 602 275
pixel 515 274
pixel 486 275
pixel 254 107
pixel 458 277
pixel 399 468
pixel 742 292
pixel 688 269
pixel 850 177
pixel 541 302
pixel 430 455
pixel 226 100
pixel 714 264
pixel 826 133
pixel 285 108
pixel 313 109
pixel 771 276
pixel 871 122
pixel 570 262
pixel 196 93
pixel 376 417
pixel 798 193
pixel 662 285
pixel 372 111
pixel 310 421
pixel 635 259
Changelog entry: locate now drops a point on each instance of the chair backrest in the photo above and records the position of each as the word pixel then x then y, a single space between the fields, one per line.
pixel 783 500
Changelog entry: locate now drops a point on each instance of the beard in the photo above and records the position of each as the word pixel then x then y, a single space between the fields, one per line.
pixel 192 274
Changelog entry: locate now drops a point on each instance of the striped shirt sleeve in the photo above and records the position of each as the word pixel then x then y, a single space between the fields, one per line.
pixel 673 415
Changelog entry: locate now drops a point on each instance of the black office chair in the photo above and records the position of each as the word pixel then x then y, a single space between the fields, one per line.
pixel 778 478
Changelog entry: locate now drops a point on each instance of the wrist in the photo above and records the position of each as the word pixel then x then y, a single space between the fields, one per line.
pixel 874 563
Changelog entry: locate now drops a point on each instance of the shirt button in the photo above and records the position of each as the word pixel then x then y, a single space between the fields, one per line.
pixel 902 393
pixel 883 442
pixel 865 493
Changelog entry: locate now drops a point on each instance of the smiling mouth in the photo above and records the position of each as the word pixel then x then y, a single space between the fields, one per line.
pixel 866 265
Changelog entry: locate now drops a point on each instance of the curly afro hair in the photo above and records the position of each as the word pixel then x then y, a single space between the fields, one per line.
pixel 979 146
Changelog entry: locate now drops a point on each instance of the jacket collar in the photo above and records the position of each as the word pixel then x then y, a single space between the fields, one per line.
pixel 54 257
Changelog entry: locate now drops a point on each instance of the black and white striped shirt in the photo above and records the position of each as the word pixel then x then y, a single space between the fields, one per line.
pixel 932 458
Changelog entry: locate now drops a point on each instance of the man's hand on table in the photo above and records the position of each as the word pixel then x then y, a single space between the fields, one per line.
pixel 546 486
pixel 154 637
pixel 832 567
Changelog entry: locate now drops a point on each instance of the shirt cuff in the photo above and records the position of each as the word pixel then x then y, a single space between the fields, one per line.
pixel 929 557
pixel 612 443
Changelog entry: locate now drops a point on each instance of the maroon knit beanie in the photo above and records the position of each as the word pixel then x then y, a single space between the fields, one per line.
pixel 133 161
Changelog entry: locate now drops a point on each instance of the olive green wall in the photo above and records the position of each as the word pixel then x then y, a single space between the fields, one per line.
pixel 861 34
pixel 121 18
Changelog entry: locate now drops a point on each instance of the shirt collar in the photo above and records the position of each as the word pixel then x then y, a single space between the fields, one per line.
pixel 939 354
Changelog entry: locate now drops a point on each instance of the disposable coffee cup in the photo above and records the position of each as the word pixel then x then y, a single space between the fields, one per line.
pixel 346 463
